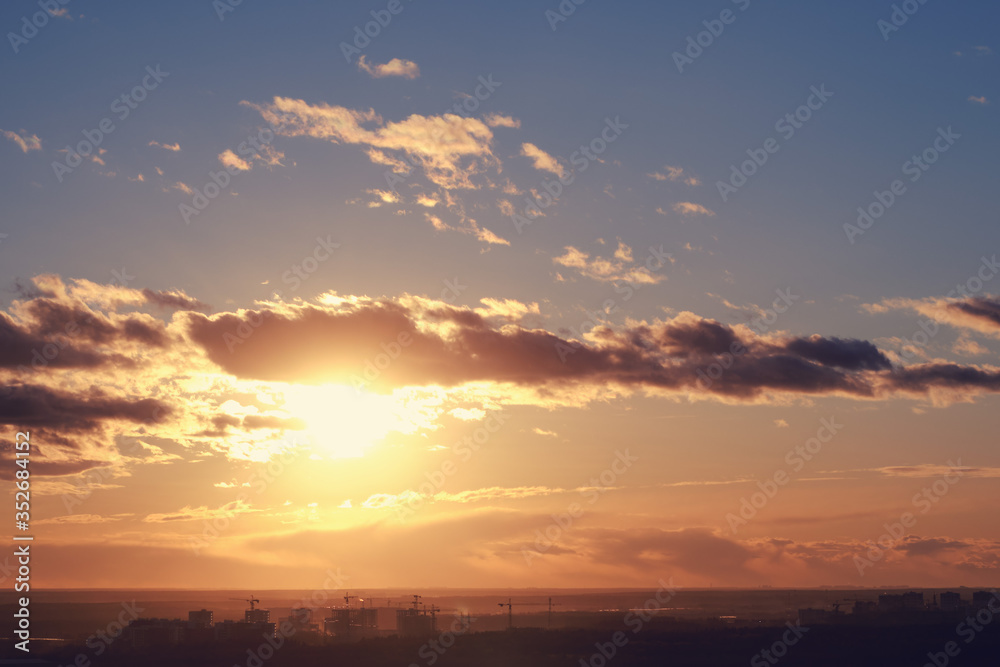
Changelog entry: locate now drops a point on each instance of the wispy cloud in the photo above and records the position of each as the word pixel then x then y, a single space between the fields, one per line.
pixel 674 174
pixel 26 142
pixel 542 160
pixel 395 67
pixel 620 268
pixel 689 208
pixel 170 147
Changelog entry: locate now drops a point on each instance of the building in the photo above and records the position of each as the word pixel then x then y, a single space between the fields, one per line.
pixel 951 601
pixel 980 599
pixel 351 622
pixel 912 601
pixel 257 615
pixel 151 632
pixel 411 623
pixel 300 619
pixel 202 618
pixel 243 632
pixel 862 607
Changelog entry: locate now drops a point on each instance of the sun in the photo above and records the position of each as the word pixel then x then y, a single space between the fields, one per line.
pixel 345 422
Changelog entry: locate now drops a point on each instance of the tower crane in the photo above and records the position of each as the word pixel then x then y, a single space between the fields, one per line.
pixel 252 600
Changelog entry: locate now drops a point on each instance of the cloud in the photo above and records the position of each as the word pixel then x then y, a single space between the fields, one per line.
pixel 978 100
pixel 542 160
pixel 28 405
pixel 83 519
pixel 170 147
pixel 510 310
pixel 386 196
pixel 688 208
pixel 619 269
pixel 203 513
pixel 499 120
pixel 781 423
pixel 673 174
pixel 173 365
pixel 978 313
pixel 26 142
pixel 395 67
pixel 453 346
pixel 449 148
pixel 230 160
pixel 543 432
pixel 471 227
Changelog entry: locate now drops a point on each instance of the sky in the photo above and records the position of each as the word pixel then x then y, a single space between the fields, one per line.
pixel 522 294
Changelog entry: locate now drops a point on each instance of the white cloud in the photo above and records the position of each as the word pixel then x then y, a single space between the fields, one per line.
pixel 674 174
pixel 395 67
pixel 542 160
pixel 449 148
pixel 689 208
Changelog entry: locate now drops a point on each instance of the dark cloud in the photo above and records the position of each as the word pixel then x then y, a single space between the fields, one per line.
pixel 173 299
pixel 21 347
pixel 920 379
pixel 929 546
pixel 852 354
pixel 26 406
pixel 985 309
pixel 449 346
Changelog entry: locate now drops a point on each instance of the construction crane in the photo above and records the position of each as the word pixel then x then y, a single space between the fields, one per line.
pixel 550 604
pixel 348 598
pixel 416 601
pixel 510 613
pixel 251 600
pixel 550 611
